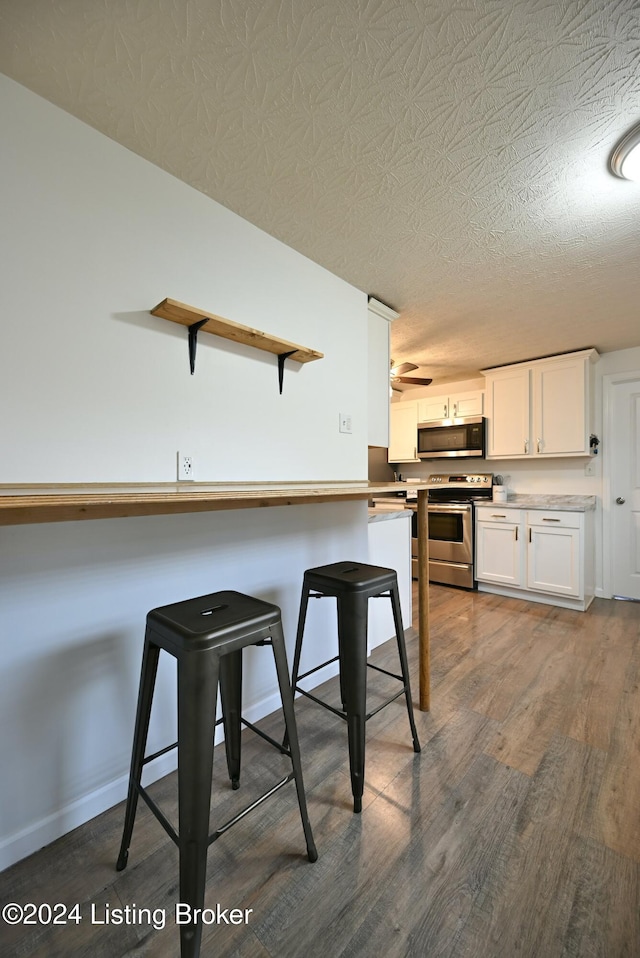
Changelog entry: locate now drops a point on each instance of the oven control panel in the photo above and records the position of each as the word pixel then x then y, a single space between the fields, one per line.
pixel 461 481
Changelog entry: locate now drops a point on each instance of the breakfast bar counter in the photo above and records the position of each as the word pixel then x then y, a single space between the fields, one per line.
pixel 71 502
pixel 22 504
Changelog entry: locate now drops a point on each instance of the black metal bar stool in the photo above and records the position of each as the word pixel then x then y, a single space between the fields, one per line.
pixel 353 584
pixel 207 635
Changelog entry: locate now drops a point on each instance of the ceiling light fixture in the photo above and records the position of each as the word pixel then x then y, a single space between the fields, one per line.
pixel 625 159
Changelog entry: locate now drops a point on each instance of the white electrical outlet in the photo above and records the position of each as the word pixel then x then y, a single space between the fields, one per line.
pixel 590 468
pixel 345 422
pixel 185 467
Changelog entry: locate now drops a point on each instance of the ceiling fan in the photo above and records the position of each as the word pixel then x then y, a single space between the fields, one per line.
pixel 396 375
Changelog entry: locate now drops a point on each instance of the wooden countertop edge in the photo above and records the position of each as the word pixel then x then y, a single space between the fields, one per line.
pixel 21 505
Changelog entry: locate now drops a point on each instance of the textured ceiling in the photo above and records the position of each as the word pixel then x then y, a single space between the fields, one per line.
pixel 447 156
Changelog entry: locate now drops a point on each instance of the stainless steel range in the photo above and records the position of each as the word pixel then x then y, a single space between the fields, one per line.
pixel 451 527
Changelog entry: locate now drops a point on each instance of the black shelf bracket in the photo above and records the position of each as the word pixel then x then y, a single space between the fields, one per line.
pixel 193 342
pixel 281 359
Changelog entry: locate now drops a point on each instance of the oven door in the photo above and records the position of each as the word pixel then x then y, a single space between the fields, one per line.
pixel 451 532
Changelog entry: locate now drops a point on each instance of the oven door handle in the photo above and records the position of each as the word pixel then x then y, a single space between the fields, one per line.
pixel 455 510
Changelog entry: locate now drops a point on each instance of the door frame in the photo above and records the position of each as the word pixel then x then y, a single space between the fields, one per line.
pixel 609 381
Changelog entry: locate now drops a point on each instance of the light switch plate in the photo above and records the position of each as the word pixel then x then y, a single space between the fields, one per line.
pixel 345 422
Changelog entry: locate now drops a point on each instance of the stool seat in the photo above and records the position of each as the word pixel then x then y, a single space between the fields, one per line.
pixel 206 635
pixel 222 619
pixel 340 577
pixel 353 584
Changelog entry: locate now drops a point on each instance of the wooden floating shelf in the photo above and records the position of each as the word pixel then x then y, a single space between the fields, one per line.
pixel 197 320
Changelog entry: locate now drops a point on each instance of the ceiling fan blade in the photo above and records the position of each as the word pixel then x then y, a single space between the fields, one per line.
pixel 412 380
pixel 403 368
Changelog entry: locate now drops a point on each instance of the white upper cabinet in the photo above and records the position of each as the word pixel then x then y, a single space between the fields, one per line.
pixel 435 407
pixel 541 409
pixel 508 411
pixel 403 433
pixel 453 405
pixel 380 318
pixel 561 407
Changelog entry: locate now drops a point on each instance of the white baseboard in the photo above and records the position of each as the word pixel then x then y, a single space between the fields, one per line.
pixel 70 816
pixel 81 810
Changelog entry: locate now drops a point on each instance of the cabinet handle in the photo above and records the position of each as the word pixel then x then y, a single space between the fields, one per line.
pixel 495 516
pixel 455 409
pixel 526 446
pixel 529 535
pixel 539 444
pixel 516 533
pixel 446 411
pixel 551 520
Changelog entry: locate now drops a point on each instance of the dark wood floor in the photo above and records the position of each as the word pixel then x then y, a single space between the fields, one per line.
pixel 516 832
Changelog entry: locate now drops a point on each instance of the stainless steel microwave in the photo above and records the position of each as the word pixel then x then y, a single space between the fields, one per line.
pixel 452 438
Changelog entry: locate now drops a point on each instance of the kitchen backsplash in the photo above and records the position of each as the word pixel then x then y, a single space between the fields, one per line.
pixel 379 468
pixel 562 477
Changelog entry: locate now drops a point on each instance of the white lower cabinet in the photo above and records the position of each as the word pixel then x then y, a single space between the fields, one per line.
pixel 543 556
pixel 499 547
pixel 554 552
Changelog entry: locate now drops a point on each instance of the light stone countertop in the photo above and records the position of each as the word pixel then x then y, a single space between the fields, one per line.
pixel 380 515
pixel 561 502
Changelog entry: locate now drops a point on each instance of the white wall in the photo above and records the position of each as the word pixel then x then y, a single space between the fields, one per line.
pixel 98 390
pixel 93 388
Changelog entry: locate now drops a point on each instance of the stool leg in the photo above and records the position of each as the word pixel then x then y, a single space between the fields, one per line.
pixel 291 733
pixel 404 665
pixel 197 693
pixel 231 697
pixel 352 638
pixel 148 673
pixel 302 616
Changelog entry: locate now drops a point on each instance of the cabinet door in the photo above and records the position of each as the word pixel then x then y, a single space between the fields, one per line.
pixel 403 431
pixel 508 413
pixel 466 404
pixel 560 408
pixel 499 552
pixel 553 560
pixel 435 407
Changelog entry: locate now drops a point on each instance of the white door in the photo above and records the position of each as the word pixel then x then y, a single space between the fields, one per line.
pixel 624 489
